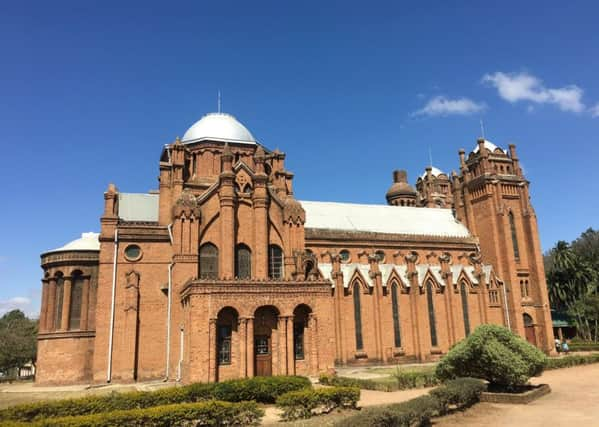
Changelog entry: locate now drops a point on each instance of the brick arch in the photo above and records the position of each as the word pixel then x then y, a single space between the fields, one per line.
pixel 357 277
pixel 209 224
pixel 429 277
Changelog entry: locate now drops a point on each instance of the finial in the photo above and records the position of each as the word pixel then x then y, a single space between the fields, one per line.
pixel 227 149
pixel 482 129
pixel 219 102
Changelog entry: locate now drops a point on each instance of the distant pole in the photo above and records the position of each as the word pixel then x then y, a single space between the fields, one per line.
pixel 219 102
pixel 482 128
pixel 430 157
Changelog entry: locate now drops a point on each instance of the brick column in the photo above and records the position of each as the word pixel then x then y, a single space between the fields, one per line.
pixel 84 305
pixel 281 346
pixel 44 305
pixel 66 304
pixel 51 305
pixel 242 332
pixel 313 336
pixel 250 347
pixel 290 352
pixel 212 351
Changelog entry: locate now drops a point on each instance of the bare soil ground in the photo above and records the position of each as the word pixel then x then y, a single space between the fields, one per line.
pixel 573 401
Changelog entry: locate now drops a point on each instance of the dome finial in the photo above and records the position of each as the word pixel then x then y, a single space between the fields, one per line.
pixel 219 103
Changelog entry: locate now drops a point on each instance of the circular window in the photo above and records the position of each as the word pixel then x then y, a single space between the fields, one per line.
pixel 380 256
pixel 133 253
pixel 344 255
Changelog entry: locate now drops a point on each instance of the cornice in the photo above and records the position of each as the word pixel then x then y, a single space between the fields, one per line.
pixel 252 287
pixel 328 235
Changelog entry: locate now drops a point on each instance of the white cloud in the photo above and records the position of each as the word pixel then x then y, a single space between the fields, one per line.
pixel 595 110
pixel 443 106
pixel 514 87
pixel 21 303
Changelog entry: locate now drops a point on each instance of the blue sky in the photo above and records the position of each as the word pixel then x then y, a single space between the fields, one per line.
pixel 350 91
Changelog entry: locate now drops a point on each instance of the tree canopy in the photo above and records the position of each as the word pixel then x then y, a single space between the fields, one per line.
pixel 18 338
pixel 573 281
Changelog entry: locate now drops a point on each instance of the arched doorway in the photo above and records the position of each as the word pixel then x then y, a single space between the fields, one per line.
pixel 529 329
pixel 265 320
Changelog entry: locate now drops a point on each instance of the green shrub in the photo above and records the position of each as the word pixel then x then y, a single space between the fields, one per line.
pixel 461 392
pixel 495 354
pixel 210 413
pixel 415 379
pixel 304 403
pixel 400 380
pixel 417 411
pixel 455 394
pixel 574 360
pixel 260 389
pixel 584 346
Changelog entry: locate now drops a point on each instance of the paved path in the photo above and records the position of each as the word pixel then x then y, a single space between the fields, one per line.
pixel 573 401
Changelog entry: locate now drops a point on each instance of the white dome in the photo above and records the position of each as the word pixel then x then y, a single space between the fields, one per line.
pixel 219 127
pixel 434 171
pixel 87 242
pixel 489 146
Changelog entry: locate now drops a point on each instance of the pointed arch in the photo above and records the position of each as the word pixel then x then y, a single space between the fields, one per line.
pixel 514 234
pixel 358 277
pixel 429 287
pixel 357 314
pixel 465 311
pixel 395 308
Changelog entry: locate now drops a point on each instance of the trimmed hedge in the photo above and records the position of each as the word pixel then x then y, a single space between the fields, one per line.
pixel 211 413
pixel 454 394
pixel 400 380
pixel 260 389
pixel 584 346
pixel 574 360
pixel 308 402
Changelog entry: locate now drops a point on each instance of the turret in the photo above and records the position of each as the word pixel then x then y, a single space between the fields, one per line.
pixel 401 193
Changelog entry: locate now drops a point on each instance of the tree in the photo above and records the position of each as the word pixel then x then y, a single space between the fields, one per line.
pixel 572 278
pixel 495 354
pixel 18 336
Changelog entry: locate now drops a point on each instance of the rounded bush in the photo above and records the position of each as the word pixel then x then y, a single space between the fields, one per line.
pixel 495 354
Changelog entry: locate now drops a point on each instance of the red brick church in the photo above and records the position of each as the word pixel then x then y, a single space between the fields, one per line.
pixel 222 273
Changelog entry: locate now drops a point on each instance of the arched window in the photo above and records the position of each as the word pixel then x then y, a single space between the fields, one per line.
pixel 226 321
pixel 300 322
pixel 514 235
pixel 58 302
pixel 357 316
pixel 76 300
pixel 275 262
pixel 464 294
pixel 208 261
pixel 528 322
pixel 431 313
pixel 243 262
pixel 395 307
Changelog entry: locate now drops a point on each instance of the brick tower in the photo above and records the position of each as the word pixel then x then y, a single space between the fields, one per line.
pixel 492 197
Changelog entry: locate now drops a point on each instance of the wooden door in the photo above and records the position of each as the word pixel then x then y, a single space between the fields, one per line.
pixel 263 355
pixel 529 332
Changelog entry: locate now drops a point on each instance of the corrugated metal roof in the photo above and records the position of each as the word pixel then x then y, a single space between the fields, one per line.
pixel 383 219
pixel 138 207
